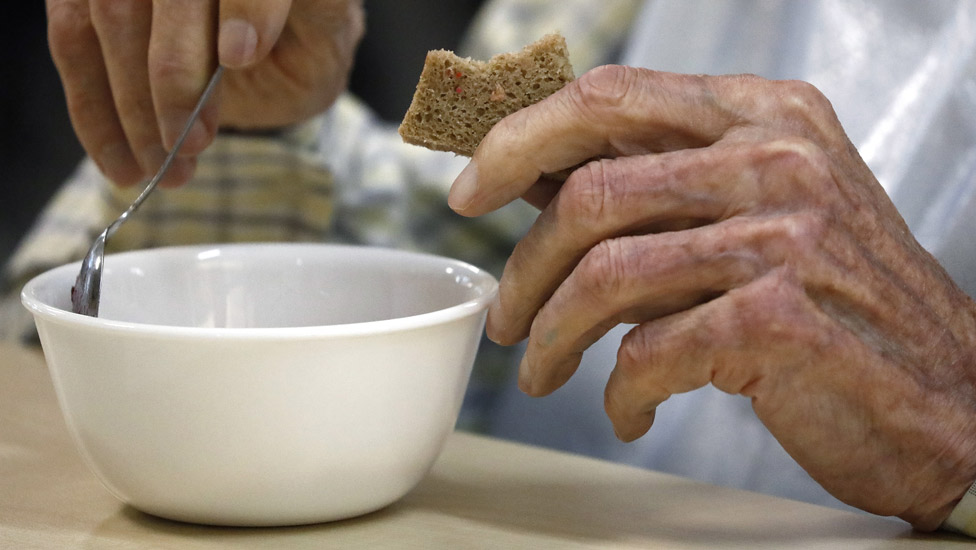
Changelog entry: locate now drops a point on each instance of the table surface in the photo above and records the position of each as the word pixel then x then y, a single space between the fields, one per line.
pixel 482 493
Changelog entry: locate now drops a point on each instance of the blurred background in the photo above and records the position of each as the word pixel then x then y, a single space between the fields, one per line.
pixel 39 149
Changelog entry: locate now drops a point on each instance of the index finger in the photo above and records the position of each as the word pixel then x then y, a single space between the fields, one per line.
pixel 608 112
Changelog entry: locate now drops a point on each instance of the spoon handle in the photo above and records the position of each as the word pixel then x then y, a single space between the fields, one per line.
pixel 207 92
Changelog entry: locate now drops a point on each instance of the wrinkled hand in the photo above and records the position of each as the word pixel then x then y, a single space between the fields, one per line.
pixel 731 219
pixel 133 70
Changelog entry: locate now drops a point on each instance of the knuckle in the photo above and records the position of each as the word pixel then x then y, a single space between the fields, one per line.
pixel 635 354
pixel 603 271
pixel 796 160
pixel 801 96
pixel 603 88
pixel 170 66
pixel 110 13
pixel 587 195
pixel 737 268
pixel 799 235
pixel 67 23
pixel 803 102
pixel 138 109
pixel 505 138
pixel 771 309
pixel 80 101
pixel 769 328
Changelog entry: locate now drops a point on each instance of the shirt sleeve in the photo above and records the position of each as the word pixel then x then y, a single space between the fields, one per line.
pixel 962 520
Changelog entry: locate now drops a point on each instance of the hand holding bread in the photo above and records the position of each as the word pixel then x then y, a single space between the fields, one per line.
pixel 732 221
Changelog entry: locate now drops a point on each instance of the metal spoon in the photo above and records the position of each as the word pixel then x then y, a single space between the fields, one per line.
pixel 87 290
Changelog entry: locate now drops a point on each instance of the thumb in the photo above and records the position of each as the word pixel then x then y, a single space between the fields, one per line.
pixel 249 29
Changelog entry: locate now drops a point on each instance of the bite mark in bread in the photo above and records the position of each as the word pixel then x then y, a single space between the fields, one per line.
pixel 459 99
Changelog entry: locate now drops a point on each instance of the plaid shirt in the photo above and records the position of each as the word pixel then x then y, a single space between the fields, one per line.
pixel 343 177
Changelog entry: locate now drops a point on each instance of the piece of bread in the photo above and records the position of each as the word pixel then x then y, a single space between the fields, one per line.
pixel 459 99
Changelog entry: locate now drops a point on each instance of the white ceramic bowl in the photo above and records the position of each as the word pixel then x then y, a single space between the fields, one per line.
pixel 263 384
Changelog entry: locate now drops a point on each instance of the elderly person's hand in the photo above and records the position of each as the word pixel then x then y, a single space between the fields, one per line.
pixel 133 70
pixel 733 221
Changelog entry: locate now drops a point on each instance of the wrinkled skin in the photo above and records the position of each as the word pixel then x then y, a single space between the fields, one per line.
pixel 132 71
pixel 732 220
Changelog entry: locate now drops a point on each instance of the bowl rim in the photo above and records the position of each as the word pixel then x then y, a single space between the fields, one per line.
pixel 49 313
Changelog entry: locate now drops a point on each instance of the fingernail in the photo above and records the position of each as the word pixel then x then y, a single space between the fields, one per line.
pixel 237 43
pixel 464 188
pixel 172 126
pixel 525 376
pixel 491 326
pixel 616 433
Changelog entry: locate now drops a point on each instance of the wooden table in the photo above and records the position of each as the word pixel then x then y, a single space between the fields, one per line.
pixel 482 493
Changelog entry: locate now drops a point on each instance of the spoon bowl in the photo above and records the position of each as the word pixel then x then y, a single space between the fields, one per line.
pixel 86 292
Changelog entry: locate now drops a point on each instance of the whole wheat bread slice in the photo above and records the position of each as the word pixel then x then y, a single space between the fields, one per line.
pixel 459 99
